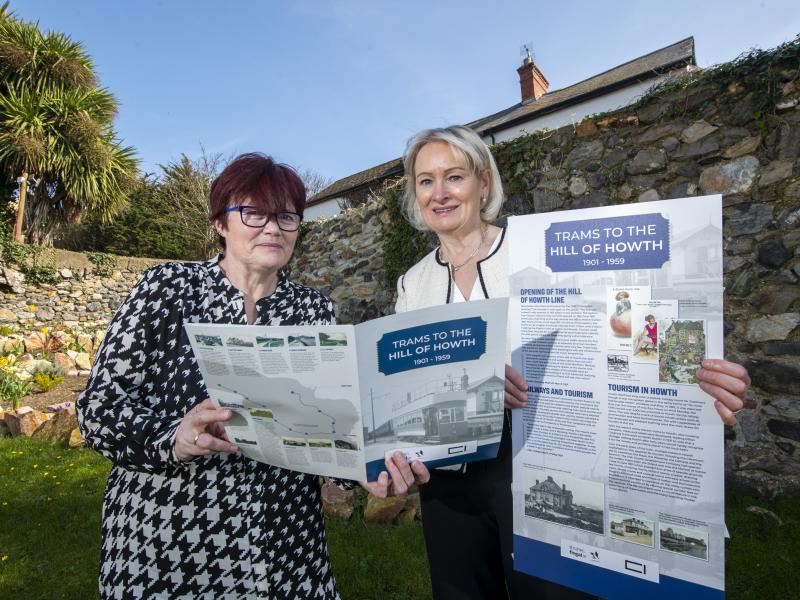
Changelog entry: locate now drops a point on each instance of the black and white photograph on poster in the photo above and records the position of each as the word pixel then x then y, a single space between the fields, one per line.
pixel 644 327
pixel 333 339
pixel 458 407
pixel 302 340
pixel 681 350
pixel 270 342
pixel 239 342
pixel 618 363
pixel 564 500
pixel 631 529
pixel 689 542
pixel 619 301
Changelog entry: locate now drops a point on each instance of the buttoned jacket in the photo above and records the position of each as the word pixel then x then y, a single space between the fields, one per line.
pixel 428 283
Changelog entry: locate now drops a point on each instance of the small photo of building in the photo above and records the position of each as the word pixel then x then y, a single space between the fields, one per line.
pixel 345 445
pixel 564 500
pixel 631 529
pixel 681 349
pixel 208 340
pixel 689 542
pixel 239 342
pixel 302 340
pixel 287 441
pixel 338 338
pixel 320 443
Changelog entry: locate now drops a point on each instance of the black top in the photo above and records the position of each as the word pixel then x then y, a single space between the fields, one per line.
pixel 220 526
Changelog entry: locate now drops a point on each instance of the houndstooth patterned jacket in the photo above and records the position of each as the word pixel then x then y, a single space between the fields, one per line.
pixel 220 526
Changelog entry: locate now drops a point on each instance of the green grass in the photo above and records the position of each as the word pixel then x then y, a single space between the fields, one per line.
pixel 50 502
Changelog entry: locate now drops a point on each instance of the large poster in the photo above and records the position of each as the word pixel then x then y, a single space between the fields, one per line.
pixel 335 400
pixel 618 458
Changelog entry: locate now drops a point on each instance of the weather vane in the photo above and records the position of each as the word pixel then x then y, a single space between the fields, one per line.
pixel 525 51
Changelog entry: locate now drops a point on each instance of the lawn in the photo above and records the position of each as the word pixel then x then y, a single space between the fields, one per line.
pixel 50 532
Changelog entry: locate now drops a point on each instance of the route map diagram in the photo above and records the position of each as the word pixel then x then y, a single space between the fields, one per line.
pixel 295 408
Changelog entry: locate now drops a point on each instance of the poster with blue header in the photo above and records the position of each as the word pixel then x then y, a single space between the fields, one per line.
pixel 335 400
pixel 618 457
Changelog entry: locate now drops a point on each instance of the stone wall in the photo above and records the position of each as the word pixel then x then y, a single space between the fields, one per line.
pixel 80 299
pixel 736 135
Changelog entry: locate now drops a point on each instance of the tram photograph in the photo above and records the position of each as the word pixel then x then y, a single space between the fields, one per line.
pixel 444 411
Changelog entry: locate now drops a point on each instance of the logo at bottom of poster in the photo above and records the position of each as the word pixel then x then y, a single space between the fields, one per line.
pixel 607 559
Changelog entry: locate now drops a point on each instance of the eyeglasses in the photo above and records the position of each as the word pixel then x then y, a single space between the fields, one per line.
pixel 253 216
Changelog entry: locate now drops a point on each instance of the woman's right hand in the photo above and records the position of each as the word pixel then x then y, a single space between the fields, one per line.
pixel 201 432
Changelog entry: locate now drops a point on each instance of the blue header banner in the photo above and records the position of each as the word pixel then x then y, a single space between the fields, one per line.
pixel 614 243
pixel 431 344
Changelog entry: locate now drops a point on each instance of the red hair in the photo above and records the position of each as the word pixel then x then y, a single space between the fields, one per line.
pixel 257 180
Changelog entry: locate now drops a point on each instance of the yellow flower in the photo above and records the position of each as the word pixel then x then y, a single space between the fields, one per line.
pixel 44 330
pixel 4 557
pixel 31 308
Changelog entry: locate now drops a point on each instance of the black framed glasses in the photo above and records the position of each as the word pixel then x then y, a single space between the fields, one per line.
pixel 252 216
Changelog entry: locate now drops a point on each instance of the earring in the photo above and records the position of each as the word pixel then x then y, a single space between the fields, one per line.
pixel 483 203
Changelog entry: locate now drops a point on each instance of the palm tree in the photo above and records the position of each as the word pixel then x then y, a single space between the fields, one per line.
pixel 56 130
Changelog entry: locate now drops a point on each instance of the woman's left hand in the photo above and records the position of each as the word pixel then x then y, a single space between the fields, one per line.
pixel 727 383
pixel 398 477
pixel 516 395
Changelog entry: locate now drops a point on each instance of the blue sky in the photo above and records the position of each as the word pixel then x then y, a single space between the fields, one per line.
pixel 339 86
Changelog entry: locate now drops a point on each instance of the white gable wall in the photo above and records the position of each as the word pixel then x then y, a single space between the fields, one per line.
pixel 575 113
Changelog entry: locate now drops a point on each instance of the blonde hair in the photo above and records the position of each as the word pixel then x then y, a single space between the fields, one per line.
pixel 468 147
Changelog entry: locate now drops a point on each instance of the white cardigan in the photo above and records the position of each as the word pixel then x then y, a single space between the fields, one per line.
pixel 428 283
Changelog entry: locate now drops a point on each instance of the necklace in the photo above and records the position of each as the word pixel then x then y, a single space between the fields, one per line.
pixel 454 268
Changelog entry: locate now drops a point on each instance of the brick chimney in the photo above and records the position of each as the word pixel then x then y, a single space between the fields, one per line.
pixel 532 83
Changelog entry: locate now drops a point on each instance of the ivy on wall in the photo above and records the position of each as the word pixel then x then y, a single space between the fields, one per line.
pixel 403 245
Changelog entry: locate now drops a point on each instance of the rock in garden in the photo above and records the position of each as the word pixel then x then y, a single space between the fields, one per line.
pixel 772 254
pixel 25 421
pixel 7 316
pixel 58 428
pixel 76 439
pixel 734 177
pixel 85 342
pixel 383 510
pixel 63 360
pixel 13 345
pixel 12 279
pixel 83 361
pixel 772 327
pixel 34 342
pixel 336 501
pixel 58 340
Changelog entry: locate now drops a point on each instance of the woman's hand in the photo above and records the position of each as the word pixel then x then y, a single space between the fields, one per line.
pixel 727 383
pixel 398 477
pixel 201 432
pixel 516 395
